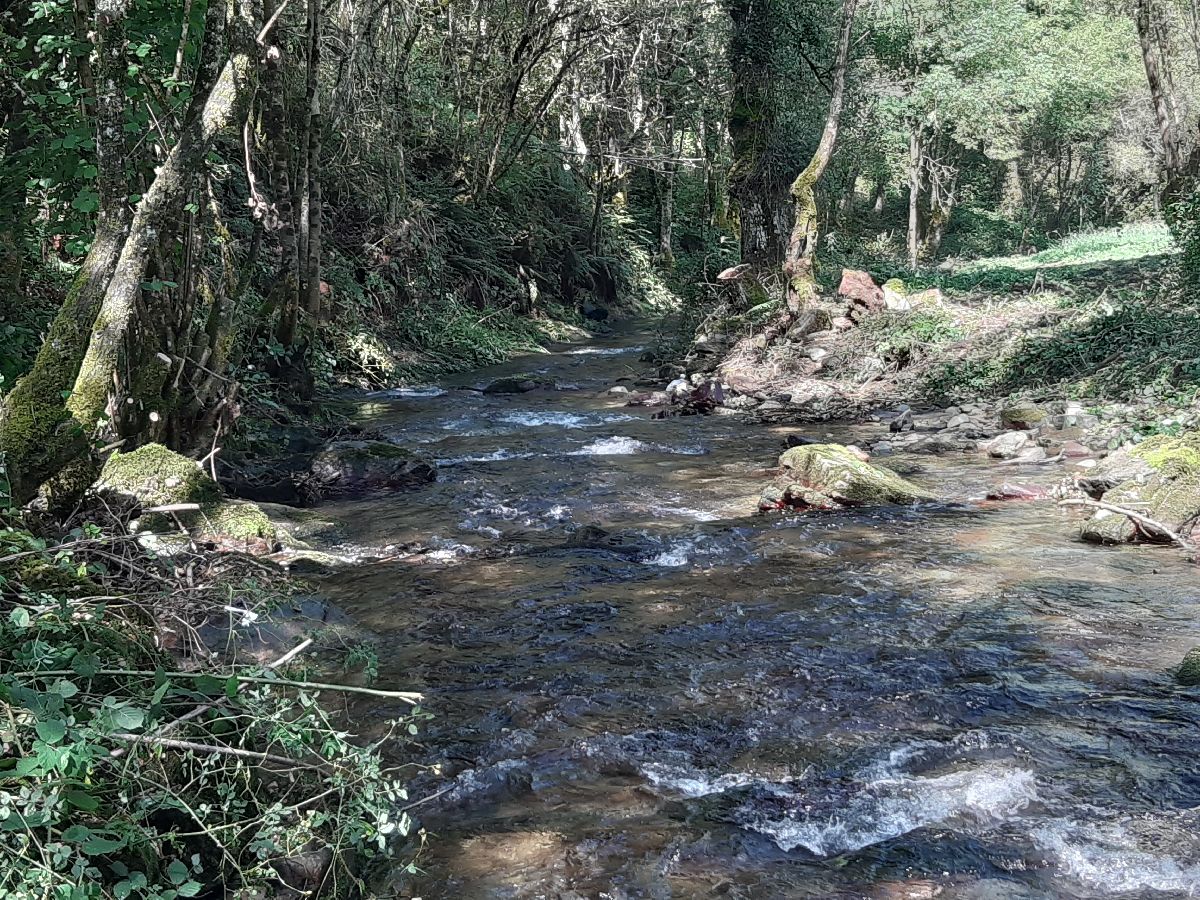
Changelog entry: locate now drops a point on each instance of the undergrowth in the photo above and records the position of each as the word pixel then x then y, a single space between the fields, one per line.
pixel 132 770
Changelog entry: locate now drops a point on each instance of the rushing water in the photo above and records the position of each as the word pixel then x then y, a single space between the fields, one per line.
pixel 958 700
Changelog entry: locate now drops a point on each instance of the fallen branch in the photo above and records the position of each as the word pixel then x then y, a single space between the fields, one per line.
pixel 205 707
pixel 410 697
pixel 174 744
pixel 1136 517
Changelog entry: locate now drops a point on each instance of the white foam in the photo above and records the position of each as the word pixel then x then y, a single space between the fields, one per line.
pixel 627 446
pixel 692 783
pixel 614 446
pixel 530 419
pixel 425 391
pixel 494 456
pixel 604 351
pixel 1110 859
pixel 981 796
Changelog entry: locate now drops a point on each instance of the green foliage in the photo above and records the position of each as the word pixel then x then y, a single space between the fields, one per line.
pixel 902 338
pixel 96 801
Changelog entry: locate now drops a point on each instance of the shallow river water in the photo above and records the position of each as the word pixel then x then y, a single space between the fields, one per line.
pixel 958 700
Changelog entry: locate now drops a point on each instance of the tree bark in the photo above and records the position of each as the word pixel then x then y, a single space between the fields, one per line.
pixel 38 435
pixel 914 197
pixel 312 248
pixel 103 385
pixel 798 264
pixel 1173 160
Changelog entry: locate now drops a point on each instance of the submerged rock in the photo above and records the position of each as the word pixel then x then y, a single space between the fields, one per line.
pixel 518 384
pixel 350 468
pixel 1161 482
pixel 830 476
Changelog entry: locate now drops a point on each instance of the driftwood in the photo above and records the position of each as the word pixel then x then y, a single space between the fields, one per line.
pixel 1136 517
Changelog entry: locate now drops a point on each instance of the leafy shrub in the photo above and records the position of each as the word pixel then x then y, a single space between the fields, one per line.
pixel 125 776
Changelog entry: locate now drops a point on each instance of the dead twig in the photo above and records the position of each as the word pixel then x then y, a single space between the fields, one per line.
pixel 1137 518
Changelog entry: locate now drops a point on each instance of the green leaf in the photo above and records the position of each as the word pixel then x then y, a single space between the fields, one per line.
pixel 20 617
pixel 178 872
pixel 98 844
pixel 231 687
pixel 189 889
pixel 128 717
pixel 52 730
pixel 82 800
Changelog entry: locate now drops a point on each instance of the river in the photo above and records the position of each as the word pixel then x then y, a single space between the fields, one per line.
pixel 959 700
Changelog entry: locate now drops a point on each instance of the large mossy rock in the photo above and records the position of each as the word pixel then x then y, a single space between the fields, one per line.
pixel 1159 478
pixel 152 477
pixel 1022 416
pixel 830 476
pixel 353 468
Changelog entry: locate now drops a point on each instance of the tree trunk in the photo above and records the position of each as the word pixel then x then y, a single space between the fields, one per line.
pixel 38 436
pixel 311 260
pixel 1173 161
pixel 103 384
pixel 798 263
pixel 914 197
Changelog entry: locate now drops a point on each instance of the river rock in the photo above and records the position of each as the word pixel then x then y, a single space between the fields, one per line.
pixel 518 384
pixel 1188 673
pixel 653 398
pixel 818 473
pixel 1169 493
pixel 860 288
pixel 352 468
pixel 1028 492
pixel 902 422
pixel 1008 445
pixel 152 479
pixel 1022 416
pixel 1120 466
pixel 895 295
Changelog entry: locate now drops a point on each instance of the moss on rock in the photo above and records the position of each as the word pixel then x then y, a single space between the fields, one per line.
pixel 1188 673
pixel 1022 416
pixel 155 476
pixel 831 472
pixel 1162 483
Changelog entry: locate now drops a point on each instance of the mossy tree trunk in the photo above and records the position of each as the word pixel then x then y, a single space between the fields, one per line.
pixel 105 381
pixel 38 435
pixel 799 260
pixel 759 202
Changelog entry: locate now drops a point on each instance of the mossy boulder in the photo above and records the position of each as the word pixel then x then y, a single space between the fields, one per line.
pixel 155 476
pixel 830 476
pixel 518 384
pixel 1188 673
pixel 151 477
pixel 1022 416
pixel 1160 479
pixel 353 468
